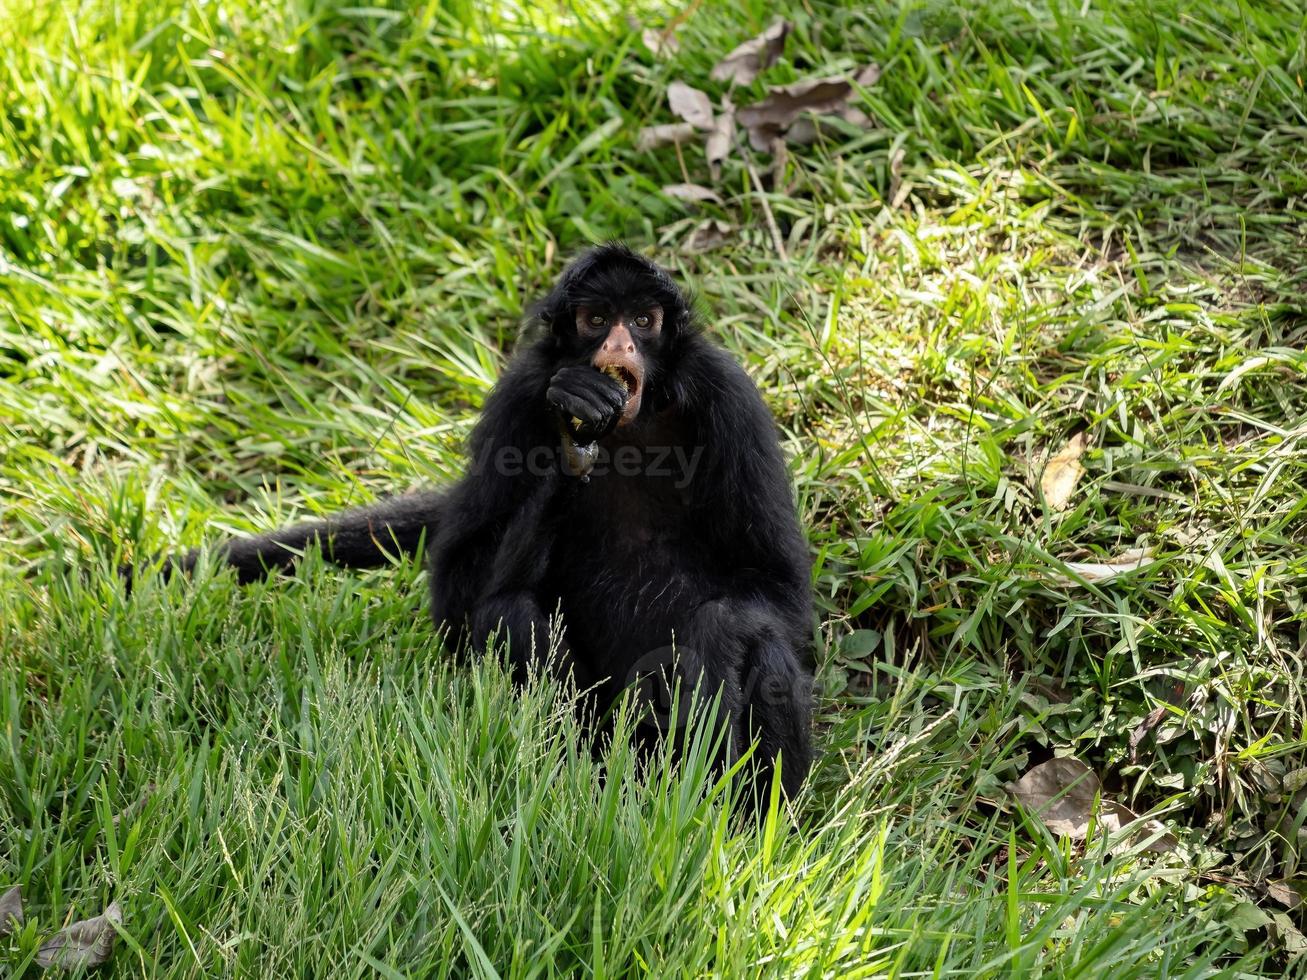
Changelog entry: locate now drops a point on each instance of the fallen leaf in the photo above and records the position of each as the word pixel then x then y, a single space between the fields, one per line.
pixel 1163 841
pixel 83 944
pixel 805 131
pixel 897 190
pixel 692 192
pixel 661 43
pixel 1284 893
pixel 1287 935
pixel 743 64
pixel 868 75
pixel 135 808
pixel 855 117
pixel 1063 472
pixel 768 118
pixel 1104 571
pixel 785 103
pixel 718 145
pixel 764 136
pixel 11 911
pixel 709 235
pixel 1062 793
pixel 690 104
pixel 1144 727
pixel 652 137
pixel 807 128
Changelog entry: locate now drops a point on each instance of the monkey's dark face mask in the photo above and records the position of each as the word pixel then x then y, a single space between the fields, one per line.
pixel 624 335
pixel 620 313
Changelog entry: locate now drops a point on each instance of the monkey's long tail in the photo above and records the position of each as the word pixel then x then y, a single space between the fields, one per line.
pixel 367 537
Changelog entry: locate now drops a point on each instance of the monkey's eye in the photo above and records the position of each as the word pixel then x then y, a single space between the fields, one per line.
pixel 596 320
pixel 642 320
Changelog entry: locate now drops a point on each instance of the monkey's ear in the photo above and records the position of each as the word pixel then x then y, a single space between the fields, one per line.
pixel 553 317
pixel 548 313
pixel 687 319
pixel 554 310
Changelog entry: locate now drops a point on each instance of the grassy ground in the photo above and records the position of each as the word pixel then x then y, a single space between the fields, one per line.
pixel 261 261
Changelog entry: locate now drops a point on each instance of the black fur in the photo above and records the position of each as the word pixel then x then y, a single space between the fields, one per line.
pixel 696 547
pixel 366 537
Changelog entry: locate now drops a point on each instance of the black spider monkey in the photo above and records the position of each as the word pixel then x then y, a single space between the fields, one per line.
pixel 626 474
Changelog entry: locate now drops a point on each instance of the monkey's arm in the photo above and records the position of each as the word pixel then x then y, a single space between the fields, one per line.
pixel 742 463
pixel 753 638
pixel 486 546
pixel 367 537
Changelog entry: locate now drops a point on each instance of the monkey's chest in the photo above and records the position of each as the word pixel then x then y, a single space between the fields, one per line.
pixel 629 567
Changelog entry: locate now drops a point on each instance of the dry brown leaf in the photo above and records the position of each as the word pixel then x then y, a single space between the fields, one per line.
pixel 743 64
pixel 83 944
pixel 805 131
pixel 807 128
pixel 134 809
pixel 1063 472
pixel 868 75
pixel 661 43
pixel 709 235
pixel 1284 893
pixel 718 145
pixel 1105 571
pixel 652 137
pixel 11 911
pixel 1151 721
pixel 855 117
pixel 896 185
pixel 692 192
pixel 768 118
pixel 1163 842
pixel 1062 792
pixel 785 103
pixel 691 105
pixel 1283 931
pixel 762 136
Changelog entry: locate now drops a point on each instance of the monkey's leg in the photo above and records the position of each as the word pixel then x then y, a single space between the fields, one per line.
pixel 511 602
pixel 532 639
pixel 778 700
pixel 698 673
pixel 739 648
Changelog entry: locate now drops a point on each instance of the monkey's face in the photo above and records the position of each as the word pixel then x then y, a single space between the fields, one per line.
pixel 625 341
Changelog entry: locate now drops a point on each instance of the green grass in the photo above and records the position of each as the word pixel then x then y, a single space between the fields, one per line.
pixel 262 261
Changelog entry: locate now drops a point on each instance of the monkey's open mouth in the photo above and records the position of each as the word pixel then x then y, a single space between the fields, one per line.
pixel 623 377
pixel 630 377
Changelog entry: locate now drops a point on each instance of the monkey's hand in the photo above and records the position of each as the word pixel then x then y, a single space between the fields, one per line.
pixel 588 401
